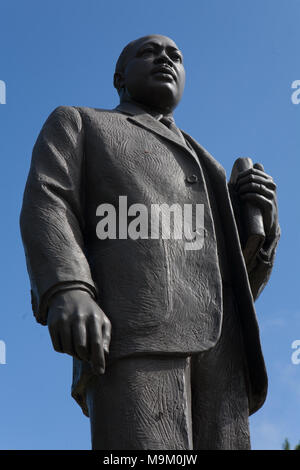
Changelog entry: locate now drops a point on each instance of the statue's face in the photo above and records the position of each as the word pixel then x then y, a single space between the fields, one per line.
pixel 154 74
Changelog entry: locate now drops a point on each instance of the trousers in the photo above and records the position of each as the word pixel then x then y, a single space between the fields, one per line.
pixel 162 402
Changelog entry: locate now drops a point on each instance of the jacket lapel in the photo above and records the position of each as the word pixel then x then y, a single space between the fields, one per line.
pixel 217 176
pixel 145 120
pixel 213 167
pixel 138 116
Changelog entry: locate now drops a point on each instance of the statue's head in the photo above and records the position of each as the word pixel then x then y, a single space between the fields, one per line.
pixel 150 71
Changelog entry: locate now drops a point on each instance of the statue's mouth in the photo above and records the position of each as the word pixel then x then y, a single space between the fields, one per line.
pixel 165 70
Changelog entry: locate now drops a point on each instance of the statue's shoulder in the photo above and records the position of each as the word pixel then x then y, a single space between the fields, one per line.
pixel 84 111
pixel 97 113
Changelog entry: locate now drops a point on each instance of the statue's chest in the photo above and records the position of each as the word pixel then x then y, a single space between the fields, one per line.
pixel 130 156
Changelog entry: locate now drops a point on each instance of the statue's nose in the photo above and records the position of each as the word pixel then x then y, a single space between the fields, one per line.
pixel 163 58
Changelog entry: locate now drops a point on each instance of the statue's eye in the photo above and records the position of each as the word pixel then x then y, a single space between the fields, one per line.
pixel 146 51
pixel 176 57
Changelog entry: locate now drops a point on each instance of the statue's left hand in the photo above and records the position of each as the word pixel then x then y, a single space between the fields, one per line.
pixel 258 188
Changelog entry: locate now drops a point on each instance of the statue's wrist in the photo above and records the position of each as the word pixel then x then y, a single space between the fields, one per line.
pixel 62 289
pixel 68 290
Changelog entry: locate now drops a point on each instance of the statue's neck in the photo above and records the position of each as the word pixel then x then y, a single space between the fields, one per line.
pixel 124 98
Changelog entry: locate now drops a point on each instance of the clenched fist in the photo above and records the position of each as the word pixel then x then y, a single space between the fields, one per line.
pixel 79 327
pixel 258 188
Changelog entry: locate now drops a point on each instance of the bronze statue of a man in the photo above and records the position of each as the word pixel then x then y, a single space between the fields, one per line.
pixel 164 336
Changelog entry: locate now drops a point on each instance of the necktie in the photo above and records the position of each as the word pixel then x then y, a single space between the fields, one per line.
pixel 168 122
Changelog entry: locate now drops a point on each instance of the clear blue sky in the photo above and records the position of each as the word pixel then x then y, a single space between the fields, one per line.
pixel 241 57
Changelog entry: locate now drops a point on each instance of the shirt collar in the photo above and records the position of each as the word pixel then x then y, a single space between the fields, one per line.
pixel 133 108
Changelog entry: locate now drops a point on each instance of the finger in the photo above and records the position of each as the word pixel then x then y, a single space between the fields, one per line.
pixel 253 171
pixel 256 188
pixel 259 166
pixel 257 199
pixel 65 335
pixel 95 340
pixel 55 338
pixel 106 334
pixel 258 180
pixel 265 205
pixel 80 341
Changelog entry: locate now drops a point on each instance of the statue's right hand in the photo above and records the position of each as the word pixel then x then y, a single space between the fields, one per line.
pixel 79 327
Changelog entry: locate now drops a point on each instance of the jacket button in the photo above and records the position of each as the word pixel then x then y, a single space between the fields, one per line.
pixel 192 179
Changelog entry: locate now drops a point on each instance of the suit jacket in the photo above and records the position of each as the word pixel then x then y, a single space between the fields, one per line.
pixel 156 295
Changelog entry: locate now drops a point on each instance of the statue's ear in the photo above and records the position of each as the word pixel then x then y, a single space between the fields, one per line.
pixel 118 81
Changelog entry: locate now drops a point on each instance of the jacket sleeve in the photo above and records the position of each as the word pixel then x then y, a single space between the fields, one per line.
pixel 51 221
pixel 260 268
